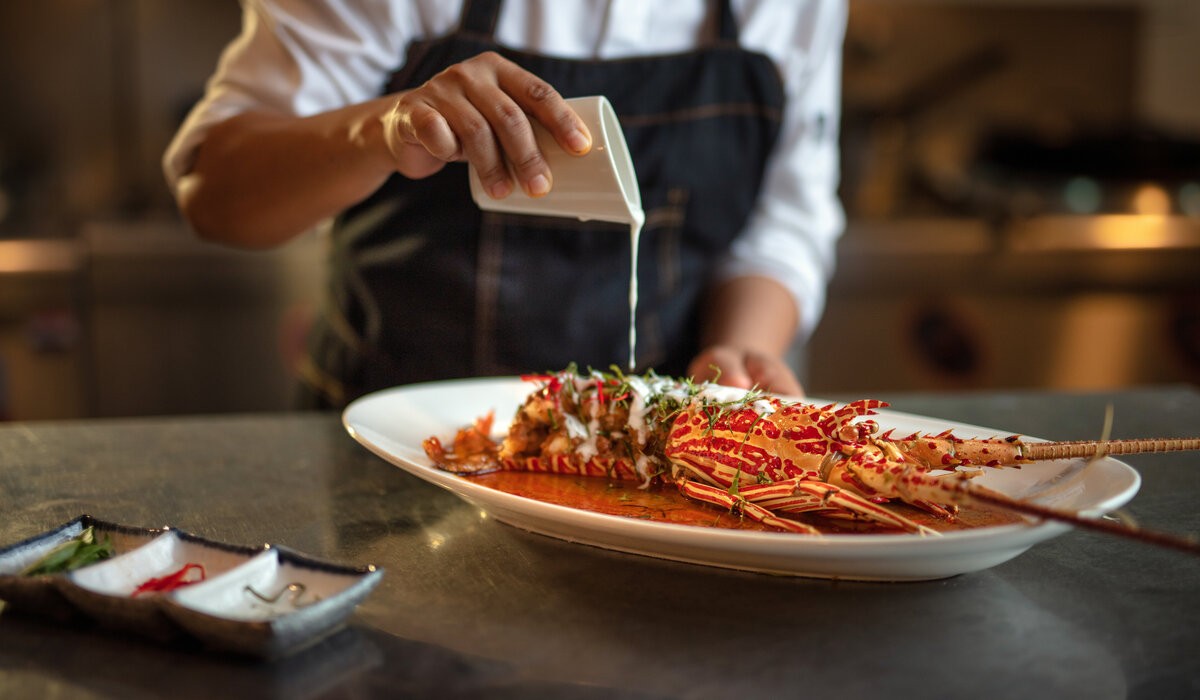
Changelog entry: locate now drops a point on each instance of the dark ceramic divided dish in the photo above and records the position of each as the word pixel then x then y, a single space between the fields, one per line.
pixel 261 601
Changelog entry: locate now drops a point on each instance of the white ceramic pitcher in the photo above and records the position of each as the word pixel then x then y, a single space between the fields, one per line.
pixel 600 185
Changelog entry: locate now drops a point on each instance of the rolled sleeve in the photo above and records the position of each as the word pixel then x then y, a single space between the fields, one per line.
pixel 791 236
pixel 297 57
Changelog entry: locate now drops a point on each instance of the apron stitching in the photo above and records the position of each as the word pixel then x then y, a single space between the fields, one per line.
pixel 487 282
pixel 650 336
pixel 668 250
pixel 673 215
pixel 702 112
pixel 660 217
pixel 550 223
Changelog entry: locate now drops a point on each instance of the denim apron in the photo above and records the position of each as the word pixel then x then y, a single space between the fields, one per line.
pixel 426 286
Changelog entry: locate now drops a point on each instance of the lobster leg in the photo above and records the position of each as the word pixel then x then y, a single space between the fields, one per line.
pixel 784 496
pixel 738 503
pixel 858 505
pixel 842 475
pixel 797 496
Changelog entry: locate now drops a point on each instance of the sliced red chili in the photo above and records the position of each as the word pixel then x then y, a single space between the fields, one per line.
pixel 170 582
pixel 536 377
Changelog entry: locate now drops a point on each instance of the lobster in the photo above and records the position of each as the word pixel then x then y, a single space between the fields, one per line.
pixel 759 455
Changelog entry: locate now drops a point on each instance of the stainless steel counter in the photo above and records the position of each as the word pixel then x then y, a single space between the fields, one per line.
pixel 473 608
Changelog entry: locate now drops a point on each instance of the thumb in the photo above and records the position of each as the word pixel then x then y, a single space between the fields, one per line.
pixel 722 366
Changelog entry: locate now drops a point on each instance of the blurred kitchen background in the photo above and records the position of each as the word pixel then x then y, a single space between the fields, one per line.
pixel 1021 177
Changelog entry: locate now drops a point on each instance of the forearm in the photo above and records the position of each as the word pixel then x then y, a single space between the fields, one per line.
pixel 755 314
pixel 261 179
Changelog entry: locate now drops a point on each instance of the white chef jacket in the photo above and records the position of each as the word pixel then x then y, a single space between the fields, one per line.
pixel 302 57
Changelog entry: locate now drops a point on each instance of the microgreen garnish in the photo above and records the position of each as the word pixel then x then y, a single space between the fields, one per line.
pixel 77 552
pixel 634 412
pixel 733 488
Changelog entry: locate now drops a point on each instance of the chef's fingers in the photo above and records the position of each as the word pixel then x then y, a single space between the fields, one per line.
pixel 440 119
pixel 720 364
pixel 479 110
pixel 418 137
pixel 488 126
pixel 509 105
pixel 772 374
pixel 518 145
pixel 478 141
pixel 744 369
pixel 540 101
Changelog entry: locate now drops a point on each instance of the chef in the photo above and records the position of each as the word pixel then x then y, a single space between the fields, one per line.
pixel 360 117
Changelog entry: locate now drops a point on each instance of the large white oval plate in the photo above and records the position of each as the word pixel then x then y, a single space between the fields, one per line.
pixel 394 422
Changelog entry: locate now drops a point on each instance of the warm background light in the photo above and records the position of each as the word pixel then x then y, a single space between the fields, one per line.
pixel 1151 200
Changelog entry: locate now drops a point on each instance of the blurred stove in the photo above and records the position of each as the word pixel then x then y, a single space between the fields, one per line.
pixel 43 358
pixel 1068 302
pixel 176 325
pixel 1018 214
pixel 134 318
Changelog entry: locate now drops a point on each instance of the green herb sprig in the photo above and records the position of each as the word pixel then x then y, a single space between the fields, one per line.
pixel 616 386
pixel 77 552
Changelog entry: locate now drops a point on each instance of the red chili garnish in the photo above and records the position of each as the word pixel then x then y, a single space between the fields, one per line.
pixel 170 582
pixel 553 384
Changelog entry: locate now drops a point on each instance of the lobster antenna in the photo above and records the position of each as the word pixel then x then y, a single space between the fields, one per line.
pixel 1089 449
pixel 1112 527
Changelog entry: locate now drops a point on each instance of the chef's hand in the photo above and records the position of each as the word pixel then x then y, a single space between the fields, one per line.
pixel 479 110
pixel 745 369
pixel 750 322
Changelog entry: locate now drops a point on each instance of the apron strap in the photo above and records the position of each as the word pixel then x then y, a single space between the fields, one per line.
pixel 727 29
pixel 479 16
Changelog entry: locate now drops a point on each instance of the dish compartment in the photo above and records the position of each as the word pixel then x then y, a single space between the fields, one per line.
pixel 39 594
pixel 116 592
pixel 173 586
pixel 279 601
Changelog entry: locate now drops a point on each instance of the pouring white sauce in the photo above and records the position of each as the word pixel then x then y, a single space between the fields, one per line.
pixel 600 185
pixel 638 217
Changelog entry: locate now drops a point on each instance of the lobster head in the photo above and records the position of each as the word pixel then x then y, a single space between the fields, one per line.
pixel 766 440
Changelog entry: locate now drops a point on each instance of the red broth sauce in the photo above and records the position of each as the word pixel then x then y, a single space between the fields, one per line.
pixel 666 504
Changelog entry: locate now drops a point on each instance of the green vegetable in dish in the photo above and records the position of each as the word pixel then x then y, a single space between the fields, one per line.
pixel 79 551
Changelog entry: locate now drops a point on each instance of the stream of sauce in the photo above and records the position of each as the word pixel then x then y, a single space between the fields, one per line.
pixel 637 218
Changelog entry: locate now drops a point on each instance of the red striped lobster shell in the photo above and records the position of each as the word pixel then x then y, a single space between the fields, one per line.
pixel 765 457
